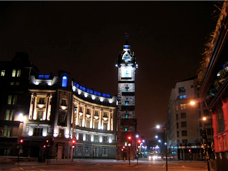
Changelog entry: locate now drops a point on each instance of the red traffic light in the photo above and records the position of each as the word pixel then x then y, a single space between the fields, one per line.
pixel 73 141
pixel 129 137
pixel 123 147
pixel 47 141
pixel 189 150
pixel 139 141
pixel 21 140
pixel 44 146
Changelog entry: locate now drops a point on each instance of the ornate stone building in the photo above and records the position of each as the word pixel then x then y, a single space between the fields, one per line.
pixel 54 110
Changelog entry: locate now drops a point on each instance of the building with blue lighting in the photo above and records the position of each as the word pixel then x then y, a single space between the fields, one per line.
pixel 47 112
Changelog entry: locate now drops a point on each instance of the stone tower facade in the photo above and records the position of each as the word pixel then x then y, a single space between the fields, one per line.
pixel 126 122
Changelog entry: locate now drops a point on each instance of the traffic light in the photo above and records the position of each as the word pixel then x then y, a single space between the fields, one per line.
pixel 189 150
pixel 73 142
pixel 44 146
pixel 21 141
pixel 129 140
pixel 139 141
pixel 123 148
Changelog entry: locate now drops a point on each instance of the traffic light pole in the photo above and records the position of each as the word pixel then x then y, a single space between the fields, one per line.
pixel 129 153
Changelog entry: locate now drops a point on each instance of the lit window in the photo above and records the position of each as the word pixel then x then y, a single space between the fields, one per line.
pixel 11 83
pixel 64 81
pixel 183 96
pixel 182 106
pixel 12 99
pixel 16 73
pixel 87 137
pixel 17 83
pixel 9 115
pixel 96 125
pixel 127 88
pixel 3 72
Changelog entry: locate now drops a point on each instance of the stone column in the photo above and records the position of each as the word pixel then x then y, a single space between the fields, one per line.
pixel 34 104
pixel 31 109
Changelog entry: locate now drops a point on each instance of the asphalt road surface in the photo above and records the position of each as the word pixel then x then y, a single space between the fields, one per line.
pixel 105 165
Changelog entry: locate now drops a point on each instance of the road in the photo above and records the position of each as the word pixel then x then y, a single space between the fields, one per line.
pixel 105 165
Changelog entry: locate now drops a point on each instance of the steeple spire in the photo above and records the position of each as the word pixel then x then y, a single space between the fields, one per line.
pixel 126 37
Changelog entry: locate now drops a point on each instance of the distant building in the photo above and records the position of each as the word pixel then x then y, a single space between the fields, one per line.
pixel 185 122
pixel 46 112
pixel 126 121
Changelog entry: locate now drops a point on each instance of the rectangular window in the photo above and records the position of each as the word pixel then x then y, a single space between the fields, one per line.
pixel 177 134
pixel 9 99
pixel 19 73
pixel 11 83
pixel 5 130
pixel 105 139
pixel 14 99
pixel 127 89
pixel 3 73
pixel 105 126
pixel 80 122
pixel 41 100
pixel 87 123
pixel 183 124
pixel 37 131
pixel 14 71
pixel 183 115
pixel 80 137
pixel 184 133
pixel 87 137
pixel 181 89
pixel 104 151
pixel 177 117
pixel 182 106
pixel 87 111
pixel 40 115
pixel 96 125
pixel 7 115
pixel 177 125
pixel 17 83
pixel 64 102
pixel 96 138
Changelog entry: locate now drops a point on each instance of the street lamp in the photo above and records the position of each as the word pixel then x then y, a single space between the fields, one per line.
pixel 204 130
pixel 166 146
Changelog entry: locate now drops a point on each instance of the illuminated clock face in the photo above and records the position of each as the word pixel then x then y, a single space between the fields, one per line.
pixel 126 72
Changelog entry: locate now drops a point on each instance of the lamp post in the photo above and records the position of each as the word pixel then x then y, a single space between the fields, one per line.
pixel 204 130
pixel 166 146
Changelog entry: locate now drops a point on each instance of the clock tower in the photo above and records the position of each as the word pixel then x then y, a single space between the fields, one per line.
pixel 126 122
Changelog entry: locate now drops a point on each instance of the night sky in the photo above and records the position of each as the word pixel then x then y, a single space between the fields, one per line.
pixel 85 38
